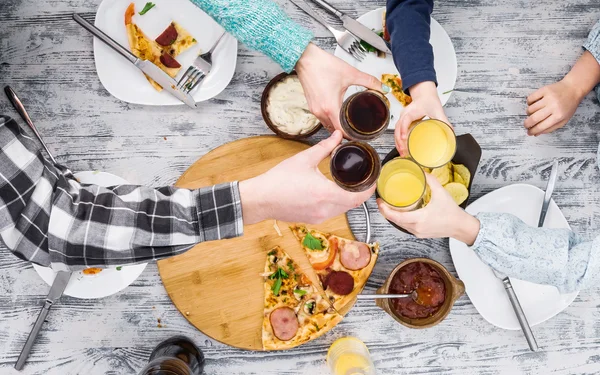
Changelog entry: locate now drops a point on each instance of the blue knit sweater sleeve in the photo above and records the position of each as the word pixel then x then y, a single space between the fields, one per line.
pixel 261 25
pixel 408 22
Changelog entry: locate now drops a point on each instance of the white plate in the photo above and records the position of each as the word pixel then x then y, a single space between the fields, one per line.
pixel 444 61
pixel 107 282
pixel 539 302
pixel 125 82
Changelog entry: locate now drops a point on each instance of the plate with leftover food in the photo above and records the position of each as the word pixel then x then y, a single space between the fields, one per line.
pixel 96 282
pixel 171 34
pixel 382 66
pixel 486 291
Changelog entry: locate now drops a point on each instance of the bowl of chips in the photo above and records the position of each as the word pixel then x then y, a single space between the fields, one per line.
pixel 457 176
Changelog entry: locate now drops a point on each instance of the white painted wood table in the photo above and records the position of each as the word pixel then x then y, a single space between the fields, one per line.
pixel 505 50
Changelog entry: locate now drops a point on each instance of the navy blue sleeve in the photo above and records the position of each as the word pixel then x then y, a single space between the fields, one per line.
pixel 408 22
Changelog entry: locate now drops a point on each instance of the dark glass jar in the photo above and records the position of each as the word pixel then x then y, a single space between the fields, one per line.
pixel 355 166
pixel 365 115
pixel 175 356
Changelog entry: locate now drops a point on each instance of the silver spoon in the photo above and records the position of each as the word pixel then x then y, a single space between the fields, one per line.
pixel 376 296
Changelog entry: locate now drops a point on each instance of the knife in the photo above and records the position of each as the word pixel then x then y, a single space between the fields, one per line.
pixel 58 287
pixel 356 28
pixel 514 301
pixel 151 70
pixel 512 296
pixel 548 193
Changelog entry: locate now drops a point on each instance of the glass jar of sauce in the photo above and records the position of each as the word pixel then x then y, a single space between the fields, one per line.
pixel 365 115
pixel 355 166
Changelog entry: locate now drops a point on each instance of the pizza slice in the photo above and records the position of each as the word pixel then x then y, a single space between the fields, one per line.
pixel 386 34
pixel 395 83
pixel 295 312
pixel 343 265
pixel 162 51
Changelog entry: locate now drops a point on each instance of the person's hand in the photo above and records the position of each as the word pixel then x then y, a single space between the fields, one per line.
pixel 296 191
pixel 325 78
pixel 551 107
pixel 442 217
pixel 425 102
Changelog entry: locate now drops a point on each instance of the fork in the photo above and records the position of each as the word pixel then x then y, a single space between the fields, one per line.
pixel 344 39
pixel 199 69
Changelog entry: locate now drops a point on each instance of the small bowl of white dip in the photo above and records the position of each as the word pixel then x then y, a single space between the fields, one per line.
pixel 285 110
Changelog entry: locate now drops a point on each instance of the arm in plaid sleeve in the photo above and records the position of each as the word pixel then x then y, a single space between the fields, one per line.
pixel 49 218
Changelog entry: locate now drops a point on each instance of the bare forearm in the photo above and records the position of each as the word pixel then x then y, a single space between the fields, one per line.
pixel 584 75
pixel 467 229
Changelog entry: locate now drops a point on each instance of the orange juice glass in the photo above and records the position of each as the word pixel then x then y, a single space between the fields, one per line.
pixel 401 184
pixel 349 356
pixel 431 143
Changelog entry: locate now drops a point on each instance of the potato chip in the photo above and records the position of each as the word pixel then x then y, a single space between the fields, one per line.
pixel 442 174
pixel 459 179
pixel 458 192
pixel 464 173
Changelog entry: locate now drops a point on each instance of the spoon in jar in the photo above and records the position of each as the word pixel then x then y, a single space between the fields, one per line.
pixel 421 295
pixel 376 296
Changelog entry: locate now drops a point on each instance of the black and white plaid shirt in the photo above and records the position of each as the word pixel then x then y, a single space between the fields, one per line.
pixel 49 218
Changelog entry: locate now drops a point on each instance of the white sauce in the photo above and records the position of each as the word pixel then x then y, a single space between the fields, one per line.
pixel 288 109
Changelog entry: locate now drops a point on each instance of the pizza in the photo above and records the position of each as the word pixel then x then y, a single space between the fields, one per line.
pixel 386 33
pixel 161 51
pixel 295 311
pixel 395 83
pixel 343 265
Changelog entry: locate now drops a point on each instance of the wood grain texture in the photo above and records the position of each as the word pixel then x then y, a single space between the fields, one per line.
pixel 505 50
pixel 216 285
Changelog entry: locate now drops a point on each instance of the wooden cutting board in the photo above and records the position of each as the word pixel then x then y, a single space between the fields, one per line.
pixel 216 285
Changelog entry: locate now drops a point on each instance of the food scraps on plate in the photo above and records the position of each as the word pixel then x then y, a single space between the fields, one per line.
pixel 162 51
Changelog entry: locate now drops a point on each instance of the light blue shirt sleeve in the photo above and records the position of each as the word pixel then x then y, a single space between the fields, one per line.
pixel 592 44
pixel 261 25
pixel 555 257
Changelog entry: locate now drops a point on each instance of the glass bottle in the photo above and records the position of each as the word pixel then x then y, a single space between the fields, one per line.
pixel 175 356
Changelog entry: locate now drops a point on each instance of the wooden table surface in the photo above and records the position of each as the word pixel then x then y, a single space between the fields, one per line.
pixel 505 50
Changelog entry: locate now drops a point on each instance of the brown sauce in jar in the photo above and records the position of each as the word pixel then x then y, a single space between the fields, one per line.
pixel 426 281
